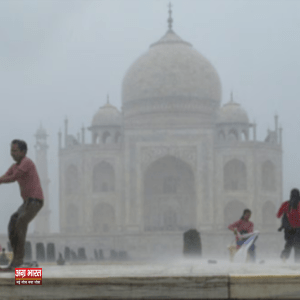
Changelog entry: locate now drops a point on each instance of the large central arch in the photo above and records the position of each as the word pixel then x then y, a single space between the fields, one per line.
pixel 169 195
pixel 103 218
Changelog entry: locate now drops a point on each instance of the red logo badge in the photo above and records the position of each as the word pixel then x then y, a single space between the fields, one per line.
pixel 28 276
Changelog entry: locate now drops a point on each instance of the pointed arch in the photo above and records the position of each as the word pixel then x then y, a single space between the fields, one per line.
pixel 71 180
pixel 244 135
pixel 235 175
pixel 103 178
pixel 169 195
pixel 95 138
pixel 221 135
pixel 72 216
pixel 233 135
pixel 103 218
pixel 169 219
pixel 170 184
pixel 106 137
pixel 268 176
pixel 117 137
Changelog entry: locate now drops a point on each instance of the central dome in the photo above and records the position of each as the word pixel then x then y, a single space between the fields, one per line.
pixel 171 71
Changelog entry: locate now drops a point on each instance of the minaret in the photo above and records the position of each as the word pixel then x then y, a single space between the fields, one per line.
pixel 276 127
pixel 82 135
pixel 254 131
pixel 66 132
pixel 42 220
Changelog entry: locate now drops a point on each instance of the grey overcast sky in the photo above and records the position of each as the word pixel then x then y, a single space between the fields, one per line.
pixel 61 58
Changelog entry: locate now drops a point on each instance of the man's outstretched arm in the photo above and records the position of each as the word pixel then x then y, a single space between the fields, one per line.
pixel 11 176
pixel 9 172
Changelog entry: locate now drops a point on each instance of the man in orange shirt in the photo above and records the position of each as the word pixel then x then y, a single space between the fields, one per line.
pixel 291 233
pixel 23 171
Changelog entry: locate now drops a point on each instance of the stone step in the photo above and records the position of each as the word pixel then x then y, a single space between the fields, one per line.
pixel 192 280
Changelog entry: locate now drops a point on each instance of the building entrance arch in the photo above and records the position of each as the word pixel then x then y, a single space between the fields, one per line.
pixel 169 195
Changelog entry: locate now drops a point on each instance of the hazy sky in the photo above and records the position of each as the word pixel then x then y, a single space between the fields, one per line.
pixel 61 58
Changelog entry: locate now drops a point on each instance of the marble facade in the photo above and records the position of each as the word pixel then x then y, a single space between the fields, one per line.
pixel 172 159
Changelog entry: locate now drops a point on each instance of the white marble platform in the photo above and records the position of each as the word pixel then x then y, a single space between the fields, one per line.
pixel 177 279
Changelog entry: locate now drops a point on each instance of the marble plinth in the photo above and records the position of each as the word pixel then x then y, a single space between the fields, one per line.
pixel 180 279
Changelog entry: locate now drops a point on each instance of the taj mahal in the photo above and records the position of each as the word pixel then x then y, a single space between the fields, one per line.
pixel 171 159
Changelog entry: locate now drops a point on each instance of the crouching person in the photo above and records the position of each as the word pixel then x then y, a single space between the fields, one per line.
pixel 243 226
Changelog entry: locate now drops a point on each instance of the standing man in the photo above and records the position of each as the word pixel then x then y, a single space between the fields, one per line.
pixel 23 171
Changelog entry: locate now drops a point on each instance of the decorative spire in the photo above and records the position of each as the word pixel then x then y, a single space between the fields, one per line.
pixel 280 135
pixel 82 134
pixel 254 130
pixel 231 96
pixel 276 126
pixel 66 131
pixel 170 20
pixel 59 139
pixel 107 99
pixel 41 132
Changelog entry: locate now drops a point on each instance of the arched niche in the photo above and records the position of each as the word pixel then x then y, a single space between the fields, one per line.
pixel 72 221
pixel 170 217
pixel 244 135
pixel 117 137
pixel 235 176
pixel 71 180
pixel 106 137
pixel 268 179
pixel 169 195
pixel 103 178
pixel 95 138
pixel 103 218
pixel 221 135
pixel 233 135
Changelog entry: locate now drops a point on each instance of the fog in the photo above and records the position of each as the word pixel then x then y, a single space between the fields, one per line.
pixel 61 58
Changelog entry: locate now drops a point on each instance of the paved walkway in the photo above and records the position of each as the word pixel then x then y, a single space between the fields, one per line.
pixel 171 268
pixel 181 279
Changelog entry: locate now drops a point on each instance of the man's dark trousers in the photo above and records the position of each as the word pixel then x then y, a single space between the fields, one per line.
pixel 17 227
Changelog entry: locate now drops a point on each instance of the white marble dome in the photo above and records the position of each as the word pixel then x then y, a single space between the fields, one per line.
pixel 107 115
pixel 232 112
pixel 171 69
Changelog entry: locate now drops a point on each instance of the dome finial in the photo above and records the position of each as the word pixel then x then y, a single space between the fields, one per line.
pixel 107 99
pixel 231 96
pixel 170 20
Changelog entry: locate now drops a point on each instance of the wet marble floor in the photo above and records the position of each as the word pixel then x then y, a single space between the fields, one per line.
pixel 172 279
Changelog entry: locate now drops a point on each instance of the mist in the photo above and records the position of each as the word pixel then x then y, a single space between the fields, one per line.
pixel 61 59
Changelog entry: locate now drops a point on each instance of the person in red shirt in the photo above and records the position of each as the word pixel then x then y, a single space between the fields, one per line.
pixel 242 226
pixel 291 209
pixel 25 173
